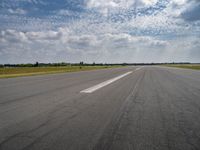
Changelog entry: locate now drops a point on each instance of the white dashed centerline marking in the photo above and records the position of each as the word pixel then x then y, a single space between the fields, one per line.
pixel 98 86
pixel 137 69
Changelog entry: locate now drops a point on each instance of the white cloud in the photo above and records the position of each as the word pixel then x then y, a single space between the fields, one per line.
pixel 149 2
pixel 109 3
pixel 17 11
pixel 161 35
pixel 179 2
pixel 118 3
pixel 107 6
pixel 65 45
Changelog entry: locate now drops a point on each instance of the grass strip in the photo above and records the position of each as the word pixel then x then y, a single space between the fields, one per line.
pixel 32 71
pixel 189 66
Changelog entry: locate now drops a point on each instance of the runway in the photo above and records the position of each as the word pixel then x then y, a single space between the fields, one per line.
pixel 128 108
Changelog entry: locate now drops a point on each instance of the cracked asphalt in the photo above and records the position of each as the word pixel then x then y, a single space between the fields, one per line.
pixel 154 108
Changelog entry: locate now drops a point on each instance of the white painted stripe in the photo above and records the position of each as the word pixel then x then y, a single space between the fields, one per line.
pixel 98 86
pixel 137 69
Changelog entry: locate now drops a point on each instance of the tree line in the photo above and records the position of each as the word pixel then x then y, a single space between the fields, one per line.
pixel 37 64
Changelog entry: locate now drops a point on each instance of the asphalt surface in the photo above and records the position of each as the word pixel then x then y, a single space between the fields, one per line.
pixel 152 108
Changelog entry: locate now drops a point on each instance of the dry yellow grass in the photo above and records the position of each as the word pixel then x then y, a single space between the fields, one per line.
pixel 187 66
pixel 29 71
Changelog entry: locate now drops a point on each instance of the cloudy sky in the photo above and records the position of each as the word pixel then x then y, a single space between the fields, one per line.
pixel 111 31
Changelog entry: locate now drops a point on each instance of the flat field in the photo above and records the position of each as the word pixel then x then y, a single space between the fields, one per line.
pixel 9 72
pixel 186 66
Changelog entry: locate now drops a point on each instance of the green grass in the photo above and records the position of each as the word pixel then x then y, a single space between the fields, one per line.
pixel 186 66
pixel 30 71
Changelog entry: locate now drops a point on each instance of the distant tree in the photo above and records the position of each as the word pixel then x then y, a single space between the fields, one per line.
pixel 81 64
pixel 36 64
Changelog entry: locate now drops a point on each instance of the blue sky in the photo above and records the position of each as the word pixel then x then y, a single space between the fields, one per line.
pixel 111 31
